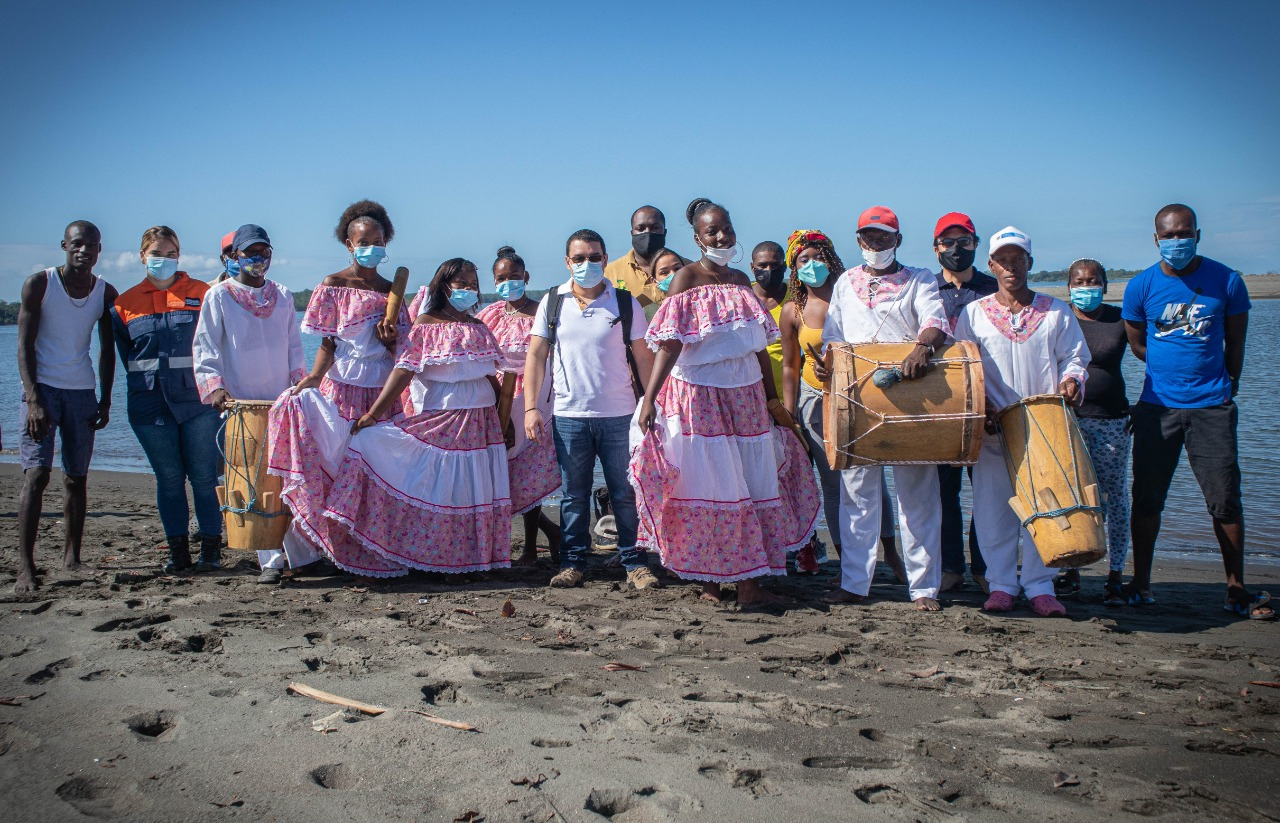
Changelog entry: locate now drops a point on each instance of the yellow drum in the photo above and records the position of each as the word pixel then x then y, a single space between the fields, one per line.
pixel 255 516
pixel 1055 489
pixel 870 417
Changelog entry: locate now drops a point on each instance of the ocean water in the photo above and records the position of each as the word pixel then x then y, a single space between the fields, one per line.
pixel 1186 528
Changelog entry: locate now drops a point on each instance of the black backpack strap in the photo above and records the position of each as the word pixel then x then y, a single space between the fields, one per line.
pixel 625 311
pixel 555 300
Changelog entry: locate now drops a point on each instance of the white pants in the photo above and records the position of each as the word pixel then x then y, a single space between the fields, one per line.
pixel 999 529
pixel 919 524
pixel 296 551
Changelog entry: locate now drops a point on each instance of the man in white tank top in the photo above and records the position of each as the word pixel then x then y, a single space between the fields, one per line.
pixel 59 309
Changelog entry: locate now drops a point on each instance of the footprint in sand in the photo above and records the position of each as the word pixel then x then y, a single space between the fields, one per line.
pixel 95 797
pixel 50 671
pixel 611 803
pixel 750 780
pixel 333 776
pixel 153 725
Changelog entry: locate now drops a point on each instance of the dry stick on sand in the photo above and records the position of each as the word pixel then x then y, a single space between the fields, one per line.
pixel 325 697
pixel 453 724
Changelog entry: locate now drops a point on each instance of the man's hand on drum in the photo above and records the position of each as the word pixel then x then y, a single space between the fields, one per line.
pixel 219 399
pixel 1071 391
pixel 914 365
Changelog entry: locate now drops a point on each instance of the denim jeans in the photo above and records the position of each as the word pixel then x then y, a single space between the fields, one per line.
pixel 949 480
pixel 580 441
pixel 180 453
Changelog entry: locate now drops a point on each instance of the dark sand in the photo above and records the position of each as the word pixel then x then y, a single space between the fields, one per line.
pixel 161 698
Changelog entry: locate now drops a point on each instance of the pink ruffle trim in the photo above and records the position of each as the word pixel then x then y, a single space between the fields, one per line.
pixel 511 330
pixel 437 344
pixel 695 314
pixel 338 311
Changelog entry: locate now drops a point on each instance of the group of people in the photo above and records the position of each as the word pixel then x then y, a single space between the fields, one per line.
pixel 696 386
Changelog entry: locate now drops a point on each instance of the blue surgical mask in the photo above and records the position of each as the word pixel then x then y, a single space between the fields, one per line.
pixel 588 274
pixel 232 266
pixel 255 266
pixel 1178 251
pixel 814 273
pixel 665 283
pixel 511 290
pixel 161 268
pixel 1086 298
pixel 369 256
pixel 463 299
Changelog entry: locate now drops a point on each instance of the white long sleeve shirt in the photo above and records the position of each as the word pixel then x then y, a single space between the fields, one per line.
pixel 894 308
pixel 247 342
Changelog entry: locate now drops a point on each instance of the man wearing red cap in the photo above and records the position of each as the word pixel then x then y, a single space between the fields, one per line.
pixel 883 301
pixel 955 241
pixel 230 266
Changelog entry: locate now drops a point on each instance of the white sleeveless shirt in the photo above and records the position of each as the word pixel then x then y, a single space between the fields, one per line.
pixel 66 327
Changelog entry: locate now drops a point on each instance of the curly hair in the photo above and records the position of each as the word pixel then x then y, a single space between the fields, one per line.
pixel 360 212
pixel 797 292
pixel 438 291
pixel 508 253
pixel 702 205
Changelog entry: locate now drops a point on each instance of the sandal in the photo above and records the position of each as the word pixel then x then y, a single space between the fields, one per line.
pixel 1114 596
pixel 1067 583
pixel 1255 609
pixel 1133 597
pixel 1046 605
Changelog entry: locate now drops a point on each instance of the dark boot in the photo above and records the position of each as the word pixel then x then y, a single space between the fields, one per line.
pixel 210 553
pixel 179 554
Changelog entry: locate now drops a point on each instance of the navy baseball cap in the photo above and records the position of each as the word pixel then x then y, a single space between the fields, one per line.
pixel 247 235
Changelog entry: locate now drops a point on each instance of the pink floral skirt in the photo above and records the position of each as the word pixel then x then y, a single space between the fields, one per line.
pixel 429 492
pixel 532 467
pixel 723 494
pixel 353 401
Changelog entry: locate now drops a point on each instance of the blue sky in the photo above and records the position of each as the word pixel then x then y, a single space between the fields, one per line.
pixel 481 124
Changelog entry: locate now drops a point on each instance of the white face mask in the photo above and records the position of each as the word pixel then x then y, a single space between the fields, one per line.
pixel 879 259
pixel 721 257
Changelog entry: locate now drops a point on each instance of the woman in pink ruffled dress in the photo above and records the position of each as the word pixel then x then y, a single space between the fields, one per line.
pixel 532 467
pixel 723 493
pixel 310 425
pixel 430 491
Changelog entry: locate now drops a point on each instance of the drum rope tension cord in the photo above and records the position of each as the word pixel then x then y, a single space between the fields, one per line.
pixel 251 505
pixel 1035 501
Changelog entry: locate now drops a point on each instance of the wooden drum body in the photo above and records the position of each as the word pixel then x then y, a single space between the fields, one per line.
pixel 1055 489
pixel 255 516
pixel 937 418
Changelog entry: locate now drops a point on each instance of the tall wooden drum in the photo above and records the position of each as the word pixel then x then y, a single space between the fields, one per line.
pixel 1055 489
pixel 255 516
pixel 870 417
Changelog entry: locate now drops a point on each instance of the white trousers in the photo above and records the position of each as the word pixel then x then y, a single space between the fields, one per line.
pixel 919 525
pixel 296 551
pixel 999 529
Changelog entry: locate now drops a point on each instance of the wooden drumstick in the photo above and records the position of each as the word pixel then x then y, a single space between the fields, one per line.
pixel 396 298
pixel 825 359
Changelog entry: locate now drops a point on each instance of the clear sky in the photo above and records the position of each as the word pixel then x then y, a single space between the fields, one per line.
pixel 480 124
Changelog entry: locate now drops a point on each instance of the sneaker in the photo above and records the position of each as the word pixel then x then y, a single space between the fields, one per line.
pixel 807 560
pixel 567 579
pixel 641 579
pixel 269 577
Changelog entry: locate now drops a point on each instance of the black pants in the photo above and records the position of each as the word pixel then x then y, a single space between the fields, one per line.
pixel 950 479
pixel 1209 436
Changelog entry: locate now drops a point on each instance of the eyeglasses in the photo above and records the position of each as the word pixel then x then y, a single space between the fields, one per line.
pixel 579 259
pixel 948 243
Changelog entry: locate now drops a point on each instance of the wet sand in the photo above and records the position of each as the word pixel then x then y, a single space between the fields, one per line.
pixel 157 698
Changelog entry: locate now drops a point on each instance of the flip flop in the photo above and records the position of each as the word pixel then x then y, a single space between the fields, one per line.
pixel 1255 609
pixel 1046 605
pixel 999 602
pixel 1114 596
pixel 1133 597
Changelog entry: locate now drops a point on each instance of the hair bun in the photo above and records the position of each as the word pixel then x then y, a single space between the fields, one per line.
pixel 691 212
pixel 506 250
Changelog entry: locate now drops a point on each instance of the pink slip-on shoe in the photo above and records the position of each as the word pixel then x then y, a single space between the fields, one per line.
pixel 1046 605
pixel 998 602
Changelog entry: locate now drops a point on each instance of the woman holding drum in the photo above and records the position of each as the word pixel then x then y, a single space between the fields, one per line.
pixel 1031 347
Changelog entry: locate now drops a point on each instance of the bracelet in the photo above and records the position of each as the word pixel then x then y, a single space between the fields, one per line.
pixel 926 345
pixel 526 411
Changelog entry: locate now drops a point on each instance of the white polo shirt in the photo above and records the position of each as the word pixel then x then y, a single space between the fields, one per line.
pixel 591 376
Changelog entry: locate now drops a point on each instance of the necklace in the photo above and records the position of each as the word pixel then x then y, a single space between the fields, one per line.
pixel 711 271
pixel 78 303
pixel 524 301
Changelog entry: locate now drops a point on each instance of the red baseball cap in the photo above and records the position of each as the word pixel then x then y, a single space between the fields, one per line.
pixel 227 240
pixel 878 217
pixel 954 219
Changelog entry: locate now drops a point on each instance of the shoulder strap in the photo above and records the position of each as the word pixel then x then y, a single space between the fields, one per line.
pixel 555 299
pixel 625 312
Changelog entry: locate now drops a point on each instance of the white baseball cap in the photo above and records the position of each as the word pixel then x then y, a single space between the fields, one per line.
pixel 1010 236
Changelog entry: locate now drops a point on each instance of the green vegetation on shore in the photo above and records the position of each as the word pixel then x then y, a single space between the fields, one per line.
pixel 9 313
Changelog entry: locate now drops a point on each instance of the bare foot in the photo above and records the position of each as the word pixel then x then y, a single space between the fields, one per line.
pixel 76 566
pixel 553 546
pixel 842 596
pixel 927 604
pixel 26 581
pixel 710 592
pixel 951 580
pixel 894 561
pixel 526 558
pixel 751 593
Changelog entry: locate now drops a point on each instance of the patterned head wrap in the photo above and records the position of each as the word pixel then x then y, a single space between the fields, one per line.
pixel 803 238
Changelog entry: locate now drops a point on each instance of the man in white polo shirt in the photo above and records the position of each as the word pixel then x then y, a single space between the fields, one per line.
pixel 600 364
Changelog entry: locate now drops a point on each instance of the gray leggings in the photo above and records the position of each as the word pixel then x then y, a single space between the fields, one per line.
pixel 810 414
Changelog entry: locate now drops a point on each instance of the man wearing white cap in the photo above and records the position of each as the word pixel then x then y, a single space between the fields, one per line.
pixel 1031 344
pixel 884 301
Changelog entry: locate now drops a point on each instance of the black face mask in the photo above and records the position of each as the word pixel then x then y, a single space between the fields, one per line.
pixel 646 243
pixel 957 259
pixel 769 279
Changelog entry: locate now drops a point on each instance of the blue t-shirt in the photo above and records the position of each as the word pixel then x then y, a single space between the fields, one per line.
pixel 1186 331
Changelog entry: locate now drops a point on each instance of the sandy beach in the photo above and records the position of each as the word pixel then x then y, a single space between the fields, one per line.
pixel 1261 287
pixel 129 695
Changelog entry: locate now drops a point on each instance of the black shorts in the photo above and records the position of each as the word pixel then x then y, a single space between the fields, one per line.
pixel 1209 435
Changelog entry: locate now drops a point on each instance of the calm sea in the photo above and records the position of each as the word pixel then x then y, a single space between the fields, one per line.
pixel 1186 524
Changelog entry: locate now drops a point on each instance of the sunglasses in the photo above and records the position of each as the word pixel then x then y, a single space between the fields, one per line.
pixel 948 243
pixel 579 259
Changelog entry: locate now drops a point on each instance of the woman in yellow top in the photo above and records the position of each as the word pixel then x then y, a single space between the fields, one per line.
pixel 815 266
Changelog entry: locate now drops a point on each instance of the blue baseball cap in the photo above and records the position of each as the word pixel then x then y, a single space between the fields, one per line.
pixel 247 235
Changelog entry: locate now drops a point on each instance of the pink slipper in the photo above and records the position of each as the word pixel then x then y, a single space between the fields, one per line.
pixel 1046 605
pixel 999 602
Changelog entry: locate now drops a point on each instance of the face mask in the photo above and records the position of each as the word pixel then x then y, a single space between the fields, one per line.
pixel 232 266
pixel 588 274
pixel 879 259
pixel 1178 251
pixel 369 256
pixel 1087 298
pixel 511 290
pixel 769 279
pixel 814 273
pixel 646 243
pixel 721 257
pixel 463 299
pixel 161 268
pixel 665 283
pixel 957 259
pixel 255 266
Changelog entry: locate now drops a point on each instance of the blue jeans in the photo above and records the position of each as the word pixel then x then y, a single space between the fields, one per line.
pixel 579 442
pixel 949 480
pixel 180 453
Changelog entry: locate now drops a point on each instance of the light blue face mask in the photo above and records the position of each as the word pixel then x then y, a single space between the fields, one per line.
pixel 463 299
pixel 511 290
pixel 1178 251
pixel 588 274
pixel 1086 298
pixel 814 273
pixel 369 256
pixel 232 266
pixel 161 268
pixel 665 283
